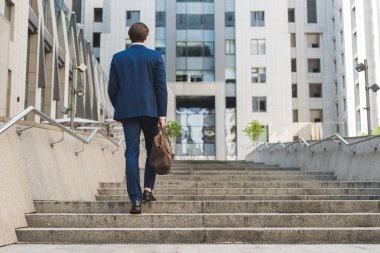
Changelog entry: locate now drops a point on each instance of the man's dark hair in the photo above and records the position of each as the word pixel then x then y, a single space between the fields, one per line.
pixel 138 32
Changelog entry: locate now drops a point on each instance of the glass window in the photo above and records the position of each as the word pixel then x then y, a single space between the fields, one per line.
pixel 161 46
pixel 160 19
pixel 230 19
pixel 258 75
pixel 313 40
pixel 295 115
pixel 315 90
pixel 291 16
pixel 9 14
pixel 208 21
pixel 258 46
pixel 181 49
pixel 294 90
pixel 194 49
pixel 230 47
pixel 208 49
pixel 259 104
pixel 294 65
pixel 293 40
pixel 98 15
pixel 257 18
pixel 195 21
pixel 314 65
pixel 96 40
pixel 132 17
pixel 312 11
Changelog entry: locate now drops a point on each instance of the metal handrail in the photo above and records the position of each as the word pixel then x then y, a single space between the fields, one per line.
pixel 53 122
pixel 275 144
pixel 336 137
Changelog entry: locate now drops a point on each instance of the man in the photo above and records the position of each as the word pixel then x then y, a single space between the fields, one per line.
pixel 138 92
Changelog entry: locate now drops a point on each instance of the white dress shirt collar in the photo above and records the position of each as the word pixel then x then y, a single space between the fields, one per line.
pixel 138 43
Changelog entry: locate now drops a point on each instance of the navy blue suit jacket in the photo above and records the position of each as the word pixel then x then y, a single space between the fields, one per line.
pixel 137 83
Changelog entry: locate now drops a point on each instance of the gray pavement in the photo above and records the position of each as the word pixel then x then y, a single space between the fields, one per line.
pixel 193 248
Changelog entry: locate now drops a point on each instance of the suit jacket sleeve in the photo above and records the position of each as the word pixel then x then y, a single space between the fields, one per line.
pixel 160 87
pixel 113 85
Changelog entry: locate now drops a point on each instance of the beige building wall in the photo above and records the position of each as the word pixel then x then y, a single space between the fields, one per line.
pixel 17 52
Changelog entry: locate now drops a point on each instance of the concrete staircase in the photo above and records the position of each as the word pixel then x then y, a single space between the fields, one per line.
pixel 219 202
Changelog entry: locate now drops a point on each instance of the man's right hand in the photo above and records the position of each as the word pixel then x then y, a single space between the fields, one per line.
pixel 162 122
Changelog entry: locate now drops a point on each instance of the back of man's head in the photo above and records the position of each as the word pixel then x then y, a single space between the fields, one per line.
pixel 138 32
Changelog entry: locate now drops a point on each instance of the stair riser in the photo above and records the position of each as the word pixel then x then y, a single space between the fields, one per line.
pixel 254 184
pixel 242 197
pixel 243 178
pixel 200 236
pixel 211 221
pixel 213 207
pixel 252 191
pixel 263 173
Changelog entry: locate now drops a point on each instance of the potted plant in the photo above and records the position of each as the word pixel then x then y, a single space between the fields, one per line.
pixel 172 131
pixel 254 130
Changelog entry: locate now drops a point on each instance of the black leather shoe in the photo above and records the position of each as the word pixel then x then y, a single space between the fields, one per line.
pixel 148 196
pixel 136 207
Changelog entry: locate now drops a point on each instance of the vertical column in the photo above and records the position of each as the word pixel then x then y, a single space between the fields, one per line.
pixel 220 90
pixel 220 114
pixel 4 44
pixel 171 40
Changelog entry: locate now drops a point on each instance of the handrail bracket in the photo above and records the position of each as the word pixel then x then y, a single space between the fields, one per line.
pixel 52 142
pixel 19 129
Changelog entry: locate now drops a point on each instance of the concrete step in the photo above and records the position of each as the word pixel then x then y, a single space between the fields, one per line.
pixel 202 220
pixel 271 206
pixel 199 235
pixel 189 162
pixel 242 197
pixel 253 184
pixel 261 173
pixel 233 168
pixel 242 178
pixel 245 167
pixel 250 191
pixel 245 172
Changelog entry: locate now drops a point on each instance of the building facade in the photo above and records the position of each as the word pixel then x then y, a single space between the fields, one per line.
pixel 40 42
pixel 288 64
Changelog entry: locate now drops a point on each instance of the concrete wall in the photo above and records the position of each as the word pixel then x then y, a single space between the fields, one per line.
pixel 361 166
pixel 31 170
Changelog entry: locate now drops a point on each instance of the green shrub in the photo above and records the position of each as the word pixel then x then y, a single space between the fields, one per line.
pixel 172 131
pixel 254 130
pixel 376 131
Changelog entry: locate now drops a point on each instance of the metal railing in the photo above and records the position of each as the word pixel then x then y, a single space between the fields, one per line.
pixel 336 138
pixel 53 122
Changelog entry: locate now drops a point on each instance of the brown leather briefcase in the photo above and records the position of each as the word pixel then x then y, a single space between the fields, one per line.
pixel 161 154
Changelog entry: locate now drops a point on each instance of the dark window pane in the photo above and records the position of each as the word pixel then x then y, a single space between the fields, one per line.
pixel 291 16
pixel 181 49
pixel 208 21
pixel 132 17
pixel 257 18
pixel 230 19
pixel 195 49
pixel 96 40
pixel 181 21
pixel 194 21
pixel 98 15
pixel 312 11
pixel 160 19
pixel 208 49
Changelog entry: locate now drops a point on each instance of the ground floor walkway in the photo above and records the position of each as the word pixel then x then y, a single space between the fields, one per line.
pixel 193 248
